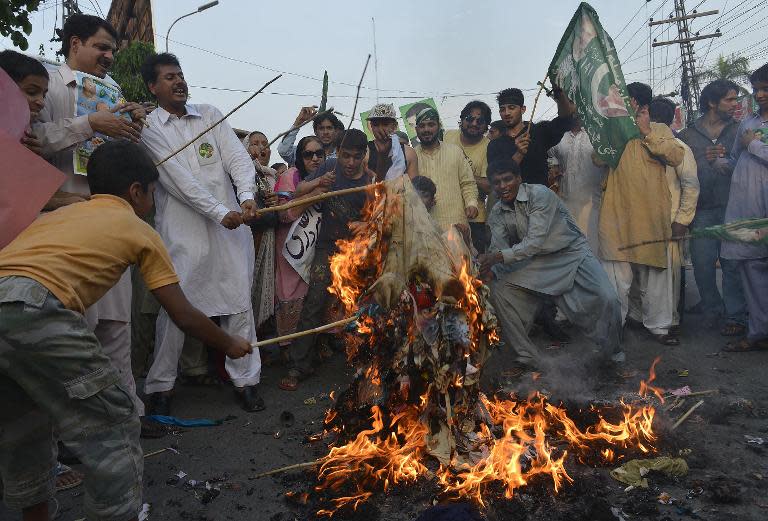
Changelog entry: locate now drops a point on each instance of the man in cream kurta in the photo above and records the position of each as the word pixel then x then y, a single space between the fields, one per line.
pixel 200 221
pixel 636 206
pixel 659 310
pixel 60 131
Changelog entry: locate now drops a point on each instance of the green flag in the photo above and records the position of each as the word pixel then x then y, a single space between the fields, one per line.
pixel 587 68
pixel 324 95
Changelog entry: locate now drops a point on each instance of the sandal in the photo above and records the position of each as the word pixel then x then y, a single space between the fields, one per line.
pixel 745 346
pixel 67 478
pixel 291 381
pixel 667 340
pixel 733 329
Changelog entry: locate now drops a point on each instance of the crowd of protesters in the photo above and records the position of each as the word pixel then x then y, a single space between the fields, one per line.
pixel 548 225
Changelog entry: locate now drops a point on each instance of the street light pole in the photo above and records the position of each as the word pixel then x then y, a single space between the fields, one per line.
pixel 199 9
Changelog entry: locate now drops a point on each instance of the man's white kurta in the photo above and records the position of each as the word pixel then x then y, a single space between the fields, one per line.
pixel 214 264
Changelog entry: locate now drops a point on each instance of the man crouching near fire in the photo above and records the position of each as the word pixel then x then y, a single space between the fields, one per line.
pixel 537 251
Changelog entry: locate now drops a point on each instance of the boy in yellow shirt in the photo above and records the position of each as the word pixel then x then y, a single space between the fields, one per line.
pixel 53 373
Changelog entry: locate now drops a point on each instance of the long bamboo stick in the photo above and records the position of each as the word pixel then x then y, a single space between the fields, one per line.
pixel 201 134
pixel 357 96
pixel 286 469
pixel 299 334
pixel 536 102
pixel 316 198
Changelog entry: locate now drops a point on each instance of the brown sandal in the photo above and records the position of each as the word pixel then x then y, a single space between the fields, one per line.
pixel 733 329
pixel 291 381
pixel 745 346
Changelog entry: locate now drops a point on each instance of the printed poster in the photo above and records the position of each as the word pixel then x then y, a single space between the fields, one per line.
pixel 299 247
pixel 409 113
pixel 93 94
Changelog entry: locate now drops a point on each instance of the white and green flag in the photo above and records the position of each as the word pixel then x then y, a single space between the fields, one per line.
pixel 586 67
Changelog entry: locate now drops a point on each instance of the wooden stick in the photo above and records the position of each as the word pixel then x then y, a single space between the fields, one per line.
pixel 222 119
pixel 655 241
pixel 685 416
pixel 698 393
pixel 299 334
pixel 357 96
pixel 281 134
pixel 286 469
pixel 536 102
pixel 155 453
pixel 316 198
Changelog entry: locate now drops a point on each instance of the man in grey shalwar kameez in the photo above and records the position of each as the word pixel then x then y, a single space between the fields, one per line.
pixel 537 252
pixel 748 199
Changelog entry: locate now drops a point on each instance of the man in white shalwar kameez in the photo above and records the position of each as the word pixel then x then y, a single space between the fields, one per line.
pixel 201 222
pixel 582 186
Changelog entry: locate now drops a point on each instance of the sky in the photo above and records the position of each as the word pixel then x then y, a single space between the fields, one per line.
pixel 454 51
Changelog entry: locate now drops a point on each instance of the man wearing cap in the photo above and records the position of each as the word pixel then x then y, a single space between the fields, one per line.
pixel 383 122
pixel 527 143
pixel 448 167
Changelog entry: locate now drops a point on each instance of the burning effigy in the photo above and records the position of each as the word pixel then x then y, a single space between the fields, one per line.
pixel 415 410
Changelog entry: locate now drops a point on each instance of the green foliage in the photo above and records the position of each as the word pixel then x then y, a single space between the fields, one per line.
pixel 127 71
pixel 14 20
pixel 734 68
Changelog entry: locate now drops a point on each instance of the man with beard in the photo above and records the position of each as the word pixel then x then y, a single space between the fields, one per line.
pixel 328 129
pixel 470 137
pixel 199 217
pixel 711 138
pixel 449 169
pixel 537 253
pixel 88 45
pixel 383 122
pixel 527 143
pixel 341 216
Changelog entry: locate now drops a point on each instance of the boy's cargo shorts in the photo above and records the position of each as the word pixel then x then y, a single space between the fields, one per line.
pixel 56 383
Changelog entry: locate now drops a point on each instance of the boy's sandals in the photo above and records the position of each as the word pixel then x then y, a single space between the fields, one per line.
pixel 292 380
pixel 67 478
pixel 745 346
pixel 733 329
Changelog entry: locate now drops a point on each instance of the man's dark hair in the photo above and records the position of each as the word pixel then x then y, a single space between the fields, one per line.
pixel 662 110
pixel 511 95
pixel 337 124
pixel 760 74
pixel 83 26
pixel 424 184
pixel 116 165
pixel 18 66
pixel 275 166
pixel 502 166
pixel 416 108
pixel 354 139
pixel 485 110
pixel 149 67
pixel 641 93
pixel 714 92
pixel 499 125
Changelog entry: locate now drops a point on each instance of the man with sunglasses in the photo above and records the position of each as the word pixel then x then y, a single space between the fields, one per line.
pixel 470 137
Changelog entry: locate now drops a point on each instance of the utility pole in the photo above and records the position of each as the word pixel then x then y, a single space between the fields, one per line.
pixel 68 8
pixel 689 85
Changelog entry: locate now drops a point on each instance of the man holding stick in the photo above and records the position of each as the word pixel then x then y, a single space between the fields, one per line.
pixel 199 218
pixel 327 127
pixel 340 216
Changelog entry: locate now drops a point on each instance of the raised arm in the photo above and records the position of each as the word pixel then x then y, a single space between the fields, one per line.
pixel 689 188
pixel 661 143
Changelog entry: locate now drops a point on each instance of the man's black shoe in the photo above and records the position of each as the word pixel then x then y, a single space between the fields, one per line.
pixel 249 399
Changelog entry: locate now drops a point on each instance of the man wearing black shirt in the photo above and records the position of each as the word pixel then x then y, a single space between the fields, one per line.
pixel 529 149
pixel 338 214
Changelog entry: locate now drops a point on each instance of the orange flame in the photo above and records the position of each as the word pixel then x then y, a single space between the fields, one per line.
pixel 646 386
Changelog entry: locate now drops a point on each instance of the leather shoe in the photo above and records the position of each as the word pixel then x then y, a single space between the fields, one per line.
pixel 160 404
pixel 249 399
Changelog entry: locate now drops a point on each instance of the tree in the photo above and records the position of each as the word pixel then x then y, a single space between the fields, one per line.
pixel 14 20
pixel 126 71
pixel 734 68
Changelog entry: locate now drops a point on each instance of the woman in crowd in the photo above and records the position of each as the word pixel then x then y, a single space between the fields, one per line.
pixel 289 285
pixel 263 289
